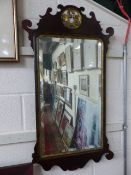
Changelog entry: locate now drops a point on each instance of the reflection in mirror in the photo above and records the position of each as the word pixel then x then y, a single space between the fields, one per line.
pixel 71 95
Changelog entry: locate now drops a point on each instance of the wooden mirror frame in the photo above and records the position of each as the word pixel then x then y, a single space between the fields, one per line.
pixel 51 25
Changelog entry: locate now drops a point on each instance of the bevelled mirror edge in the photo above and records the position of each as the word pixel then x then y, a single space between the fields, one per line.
pixel 73 32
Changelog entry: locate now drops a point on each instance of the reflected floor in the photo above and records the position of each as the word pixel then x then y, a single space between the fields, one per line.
pixel 51 138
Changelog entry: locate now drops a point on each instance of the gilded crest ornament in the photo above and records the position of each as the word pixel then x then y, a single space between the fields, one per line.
pixel 71 18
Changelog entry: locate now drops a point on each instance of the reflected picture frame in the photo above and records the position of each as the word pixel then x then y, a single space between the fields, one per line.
pixel 66 118
pixel 68 96
pixel 55 105
pixel 9 44
pixel 90 49
pixel 64 78
pixel 69 58
pixel 93 138
pixel 84 82
pixel 59 113
pixel 62 59
pixel 77 55
pixel 68 136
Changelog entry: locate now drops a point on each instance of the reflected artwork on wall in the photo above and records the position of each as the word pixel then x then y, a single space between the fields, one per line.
pixel 84 81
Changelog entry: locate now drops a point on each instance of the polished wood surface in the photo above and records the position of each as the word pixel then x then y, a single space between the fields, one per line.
pixel 25 169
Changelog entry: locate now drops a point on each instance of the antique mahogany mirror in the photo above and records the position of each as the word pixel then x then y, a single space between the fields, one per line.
pixel 70 71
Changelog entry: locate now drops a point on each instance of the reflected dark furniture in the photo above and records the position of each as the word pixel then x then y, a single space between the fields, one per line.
pixel 25 169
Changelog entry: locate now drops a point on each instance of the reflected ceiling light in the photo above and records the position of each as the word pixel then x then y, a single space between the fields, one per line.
pixel 90 65
pixel 4 40
pixel 40 58
pixel 5 52
pixel 78 47
pixel 99 44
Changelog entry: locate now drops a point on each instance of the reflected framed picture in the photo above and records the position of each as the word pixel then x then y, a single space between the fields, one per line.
pixel 87 132
pixel 62 58
pixel 90 50
pixel 55 104
pixel 53 76
pixel 58 90
pixel 68 135
pixel 55 65
pixel 68 96
pixel 66 118
pixel 62 91
pixel 69 57
pixel 77 55
pixel 84 85
pixel 59 75
pixel 8 31
pixel 60 108
pixel 64 78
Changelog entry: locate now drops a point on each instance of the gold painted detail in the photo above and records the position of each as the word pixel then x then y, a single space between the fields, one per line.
pixel 71 18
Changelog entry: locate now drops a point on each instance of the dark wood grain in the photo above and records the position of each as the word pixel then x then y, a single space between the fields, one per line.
pixel 23 169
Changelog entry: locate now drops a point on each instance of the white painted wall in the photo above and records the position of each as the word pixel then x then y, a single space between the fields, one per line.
pixel 17 106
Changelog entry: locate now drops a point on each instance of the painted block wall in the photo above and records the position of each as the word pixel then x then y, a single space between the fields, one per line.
pixel 17 99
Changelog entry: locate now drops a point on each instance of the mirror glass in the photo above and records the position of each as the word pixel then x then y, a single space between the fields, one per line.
pixel 70 78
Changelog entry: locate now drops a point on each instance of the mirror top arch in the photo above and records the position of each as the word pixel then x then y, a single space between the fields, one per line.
pixel 68 21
